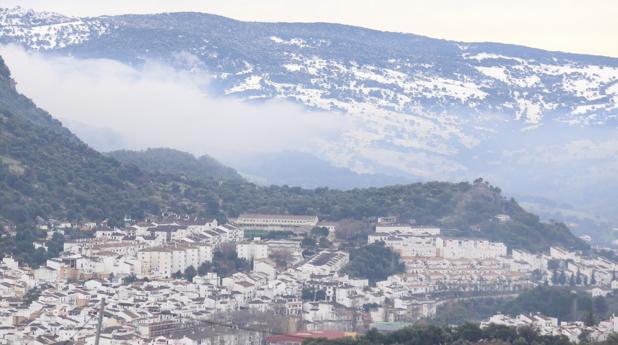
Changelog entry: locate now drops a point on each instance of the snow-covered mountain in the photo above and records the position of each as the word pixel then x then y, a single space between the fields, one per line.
pixel 426 107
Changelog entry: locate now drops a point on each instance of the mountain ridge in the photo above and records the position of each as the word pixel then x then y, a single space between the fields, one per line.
pixel 430 108
pixel 174 162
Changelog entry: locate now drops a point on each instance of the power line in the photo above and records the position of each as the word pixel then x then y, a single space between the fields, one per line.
pixel 99 315
pixel 100 321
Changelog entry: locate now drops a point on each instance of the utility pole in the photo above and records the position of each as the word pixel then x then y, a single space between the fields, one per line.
pixel 100 321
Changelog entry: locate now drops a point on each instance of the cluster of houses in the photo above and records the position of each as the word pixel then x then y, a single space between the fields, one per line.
pixel 136 274
pixel 436 263
pixel 546 325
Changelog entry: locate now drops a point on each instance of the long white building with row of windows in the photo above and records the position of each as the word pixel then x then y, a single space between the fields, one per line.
pixel 275 222
pixel 410 245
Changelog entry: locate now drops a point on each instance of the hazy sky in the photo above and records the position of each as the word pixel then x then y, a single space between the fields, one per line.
pixel 568 25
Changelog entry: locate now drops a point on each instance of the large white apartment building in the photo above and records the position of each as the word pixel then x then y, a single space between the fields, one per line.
pixel 461 248
pixel 431 246
pixel 162 262
pixel 275 222
pixel 407 229
pixel 252 250
pixel 409 246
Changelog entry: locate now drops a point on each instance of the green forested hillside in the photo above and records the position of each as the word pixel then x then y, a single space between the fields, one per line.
pixel 462 209
pixel 469 334
pixel 46 171
pixel 169 161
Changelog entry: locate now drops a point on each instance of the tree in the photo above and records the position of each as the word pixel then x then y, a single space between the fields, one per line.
pixel 204 268
pixel 584 336
pixel 353 230
pixel 593 279
pixel 375 262
pixel 562 278
pixel 177 275
pixel 225 262
pixel 554 301
pixel 589 319
pixel 600 305
pixel 578 279
pixel 131 278
pixel 190 272
pixel 324 242
pixel 470 332
pixel 520 341
pixel 319 231
pixel 56 245
pixel 555 279
pixel 308 242
pixel 308 294
pixel 281 257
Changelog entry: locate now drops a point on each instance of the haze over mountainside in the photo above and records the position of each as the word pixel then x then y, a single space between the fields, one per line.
pixel 308 171
pixel 427 109
pixel 45 171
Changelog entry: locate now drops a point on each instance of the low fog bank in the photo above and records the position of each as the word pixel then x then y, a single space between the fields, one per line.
pixel 111 105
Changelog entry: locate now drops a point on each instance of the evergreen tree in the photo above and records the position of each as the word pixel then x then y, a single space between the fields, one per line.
pixel 600 306
pixel 555 279
pixel 562 279
pixel 572 280
pixel 593 279
pixel 55 246
pixel 578 279
pixel 190 272
pixel 131 278
pixel 589 319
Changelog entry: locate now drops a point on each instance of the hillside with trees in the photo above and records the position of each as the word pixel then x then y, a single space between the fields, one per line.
pixel 46 171
pixel 564 303
pixel 174 162
pixel 374 262
pixel 466 334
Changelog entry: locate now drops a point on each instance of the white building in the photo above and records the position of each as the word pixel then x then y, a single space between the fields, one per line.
pixel 408 245
pixel 275 222
pixel 164 261
pixel 408 229
pixel 456 248
pixel 252 250
pixel 326 262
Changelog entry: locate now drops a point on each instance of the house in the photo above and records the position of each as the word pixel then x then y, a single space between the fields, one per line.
pixel 326 262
